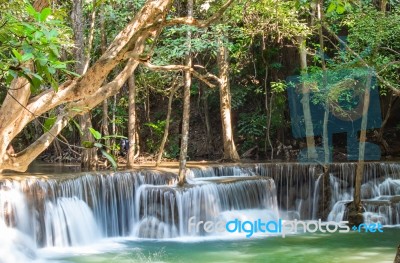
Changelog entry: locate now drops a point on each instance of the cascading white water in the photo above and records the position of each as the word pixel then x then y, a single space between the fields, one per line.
pixel 69 222
pixel 17 232
pixel 76 210
pixel 298 188
pixel 164 212
pixel 81 208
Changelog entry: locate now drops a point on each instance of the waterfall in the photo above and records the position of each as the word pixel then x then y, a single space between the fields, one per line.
pixel 164 212
pixel 77 209
pixel 16 228
pixel 298 188
pixel 69 222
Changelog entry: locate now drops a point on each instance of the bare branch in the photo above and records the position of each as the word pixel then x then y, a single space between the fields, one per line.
pixel 165 68
pixel 208 74
pixel 197 75
pixel 390 49
pixel 199 23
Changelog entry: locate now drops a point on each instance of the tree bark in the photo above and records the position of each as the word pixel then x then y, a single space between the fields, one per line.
pixel 230 153
pixel 356 218
pixel 186 105
pixel 305 101
pixel 103 47
pixel 132 121
pixel 88 156
pixel 209 141
pixel 325 202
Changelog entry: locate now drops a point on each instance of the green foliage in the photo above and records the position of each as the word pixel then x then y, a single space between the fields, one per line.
pixel 338 7
pixel 157 128
pixel 32 37
pixel 251 127
pixel 374 36
pixel 99 143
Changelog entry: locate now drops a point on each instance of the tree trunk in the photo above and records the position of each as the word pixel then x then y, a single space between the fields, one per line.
pixel 305 101
pixel 209 142
pixel 113 123
pixel 132 121
pixel 186 106
pixel 230 153
pixel 103 47
pixel 325 202
pixel 88 156
pixel 356 217
pixel 268 105
pixel 174 88
pixel 380 138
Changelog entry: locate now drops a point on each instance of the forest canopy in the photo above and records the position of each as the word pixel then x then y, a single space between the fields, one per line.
pixel 190 80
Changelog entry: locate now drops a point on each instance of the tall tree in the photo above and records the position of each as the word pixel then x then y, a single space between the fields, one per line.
pixel 132 121
pixel 305 101
pixel 89 155
pixel 355 213
pixel 230 153
pixel 186 103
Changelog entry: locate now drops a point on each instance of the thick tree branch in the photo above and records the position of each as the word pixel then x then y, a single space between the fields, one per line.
pixel 199 23
pixel 22 159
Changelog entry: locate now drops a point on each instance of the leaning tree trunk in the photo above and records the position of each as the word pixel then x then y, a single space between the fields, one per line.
pixel 230 153
pixel 132 121
pixel 88 156
pixel 186 106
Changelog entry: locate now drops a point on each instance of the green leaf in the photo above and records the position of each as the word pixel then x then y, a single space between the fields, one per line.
pixel 331 8
pixel 340 9
pixel 96 134
pixel 17 54
pixel 77 126
pixel 48 123
pixel 31 10
pixel 87 144
pixel 110 158
pixel 26 57
pixel 51 70
pixel 44 14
